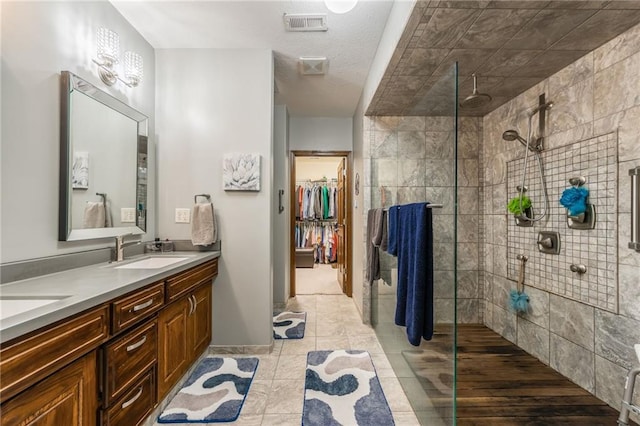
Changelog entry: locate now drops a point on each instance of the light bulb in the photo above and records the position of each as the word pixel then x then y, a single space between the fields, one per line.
pixel 340 6
pixel 108 46
pixel 133 68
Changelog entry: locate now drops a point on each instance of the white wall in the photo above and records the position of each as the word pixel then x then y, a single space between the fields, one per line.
pixel 212 102
pixel 320 134
pixel 396 22
pixel 316 168
pixel 38 41
pixel 281 241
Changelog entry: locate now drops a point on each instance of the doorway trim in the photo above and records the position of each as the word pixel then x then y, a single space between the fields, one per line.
pixel 292 217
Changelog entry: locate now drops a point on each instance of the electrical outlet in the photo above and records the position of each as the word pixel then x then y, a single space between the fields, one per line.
pixel 127 215
pixel 183 215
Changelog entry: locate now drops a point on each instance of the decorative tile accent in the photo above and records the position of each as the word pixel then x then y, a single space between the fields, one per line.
pixel 512 45
pixel 596 159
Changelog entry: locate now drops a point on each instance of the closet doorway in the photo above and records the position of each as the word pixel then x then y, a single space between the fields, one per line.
pixel 321 219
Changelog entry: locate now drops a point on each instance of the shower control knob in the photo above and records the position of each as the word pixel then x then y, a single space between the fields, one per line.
pixel 580 269
pixel 546 243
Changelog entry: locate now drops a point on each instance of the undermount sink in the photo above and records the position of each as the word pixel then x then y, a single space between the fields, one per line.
pixel 14 305
pixel 155 262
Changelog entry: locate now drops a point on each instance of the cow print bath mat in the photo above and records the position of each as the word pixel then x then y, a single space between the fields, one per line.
pixel 214 392
pixel 289 325
pixel 342 388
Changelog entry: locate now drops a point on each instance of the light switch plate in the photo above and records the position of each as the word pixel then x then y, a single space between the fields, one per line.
pixel 183 215
pixel 127 215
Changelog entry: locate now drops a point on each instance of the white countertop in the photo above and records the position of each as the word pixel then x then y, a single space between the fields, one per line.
pixel 57 296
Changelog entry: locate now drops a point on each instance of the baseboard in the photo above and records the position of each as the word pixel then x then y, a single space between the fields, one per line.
pixel 241 349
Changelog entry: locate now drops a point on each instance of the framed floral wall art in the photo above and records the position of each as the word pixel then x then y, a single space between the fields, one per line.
pixel 241 172
pixel 80 170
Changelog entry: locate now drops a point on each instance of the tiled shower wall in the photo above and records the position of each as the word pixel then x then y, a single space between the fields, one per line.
pixel 411 159
pixel 596 95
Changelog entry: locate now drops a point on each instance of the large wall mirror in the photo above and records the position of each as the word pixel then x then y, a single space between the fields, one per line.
pixel 103 163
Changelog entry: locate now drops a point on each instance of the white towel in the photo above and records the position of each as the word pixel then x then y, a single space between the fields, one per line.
pixel 94 215
pixel 203 225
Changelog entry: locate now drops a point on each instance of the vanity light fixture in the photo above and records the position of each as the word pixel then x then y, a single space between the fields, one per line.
pixel 340 6
pixel 108 55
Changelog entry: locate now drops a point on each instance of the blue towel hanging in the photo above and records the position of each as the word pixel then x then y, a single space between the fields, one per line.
pixel 411 236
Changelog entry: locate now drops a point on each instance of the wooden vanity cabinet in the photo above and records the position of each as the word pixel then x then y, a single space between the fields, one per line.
pixel 68 397
pixel 184 326
pixel 184 332
pixel 33 357
pixel 76 373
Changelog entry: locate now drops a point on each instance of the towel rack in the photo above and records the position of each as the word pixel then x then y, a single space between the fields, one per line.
pixel 634 244
pixel 104 197
pixel 429 206
pixel 195 197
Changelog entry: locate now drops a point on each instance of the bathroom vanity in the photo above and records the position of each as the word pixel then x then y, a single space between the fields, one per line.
pixel 109 350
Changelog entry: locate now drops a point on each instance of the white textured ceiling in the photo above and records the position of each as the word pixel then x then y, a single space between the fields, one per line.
pixel 349 44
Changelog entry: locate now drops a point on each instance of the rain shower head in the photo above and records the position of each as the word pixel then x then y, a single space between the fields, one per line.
pixel 475 99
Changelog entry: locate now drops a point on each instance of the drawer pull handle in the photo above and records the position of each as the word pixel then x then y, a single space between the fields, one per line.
pixel 132 400
pixel 142 306
pixel 137 345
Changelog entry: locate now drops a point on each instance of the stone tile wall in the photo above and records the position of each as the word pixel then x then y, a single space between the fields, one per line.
pixel 596 95
pixel 411 159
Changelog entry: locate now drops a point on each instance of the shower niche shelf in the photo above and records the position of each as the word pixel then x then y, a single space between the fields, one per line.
pixel 586 220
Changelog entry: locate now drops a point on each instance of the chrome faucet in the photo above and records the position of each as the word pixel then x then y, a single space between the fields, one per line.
pixel 120 245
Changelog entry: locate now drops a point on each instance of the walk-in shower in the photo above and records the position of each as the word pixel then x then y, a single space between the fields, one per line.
pixel 536 147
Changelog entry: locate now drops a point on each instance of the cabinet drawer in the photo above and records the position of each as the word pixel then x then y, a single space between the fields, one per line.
pixel 135 405
pixel 67 397
pixel 133 308
pixel 129 357
pixel 34 357
pixel 185 281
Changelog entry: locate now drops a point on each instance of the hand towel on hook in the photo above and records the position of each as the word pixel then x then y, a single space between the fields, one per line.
pixel 203 225
pixel 96 215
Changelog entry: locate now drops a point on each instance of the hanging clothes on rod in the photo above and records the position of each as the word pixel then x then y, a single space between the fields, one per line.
pixel 319 235
pixel 316 199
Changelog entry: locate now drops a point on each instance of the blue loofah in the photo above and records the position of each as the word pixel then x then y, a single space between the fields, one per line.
pixel 518 301
pixel 575 200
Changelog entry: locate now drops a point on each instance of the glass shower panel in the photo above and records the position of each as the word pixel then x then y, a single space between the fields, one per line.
pixel 414 159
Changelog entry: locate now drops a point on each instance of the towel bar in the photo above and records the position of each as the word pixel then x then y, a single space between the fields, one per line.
pixel 429 206
pixel 195 197
pixel 634 244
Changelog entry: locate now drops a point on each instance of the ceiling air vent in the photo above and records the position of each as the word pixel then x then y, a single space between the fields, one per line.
pixel 313 65
pixel 305 22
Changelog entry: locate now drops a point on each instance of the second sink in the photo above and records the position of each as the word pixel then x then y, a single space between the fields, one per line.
pixel 155 262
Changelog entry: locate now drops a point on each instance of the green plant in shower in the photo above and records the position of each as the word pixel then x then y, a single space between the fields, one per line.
pixel 517 207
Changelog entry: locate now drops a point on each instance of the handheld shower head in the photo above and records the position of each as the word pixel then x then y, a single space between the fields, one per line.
pixel 513 135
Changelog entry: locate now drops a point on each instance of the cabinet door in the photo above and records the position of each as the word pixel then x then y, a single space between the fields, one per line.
pixel 200 321
pixel 173 344
pixel 68 397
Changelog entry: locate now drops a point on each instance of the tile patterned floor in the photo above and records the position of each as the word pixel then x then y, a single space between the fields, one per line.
pixel 277 392
pixel 321 279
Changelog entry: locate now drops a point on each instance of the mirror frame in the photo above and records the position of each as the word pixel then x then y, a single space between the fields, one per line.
pixel 70 82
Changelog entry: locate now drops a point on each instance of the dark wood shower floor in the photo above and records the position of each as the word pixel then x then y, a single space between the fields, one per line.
pixel 501 384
